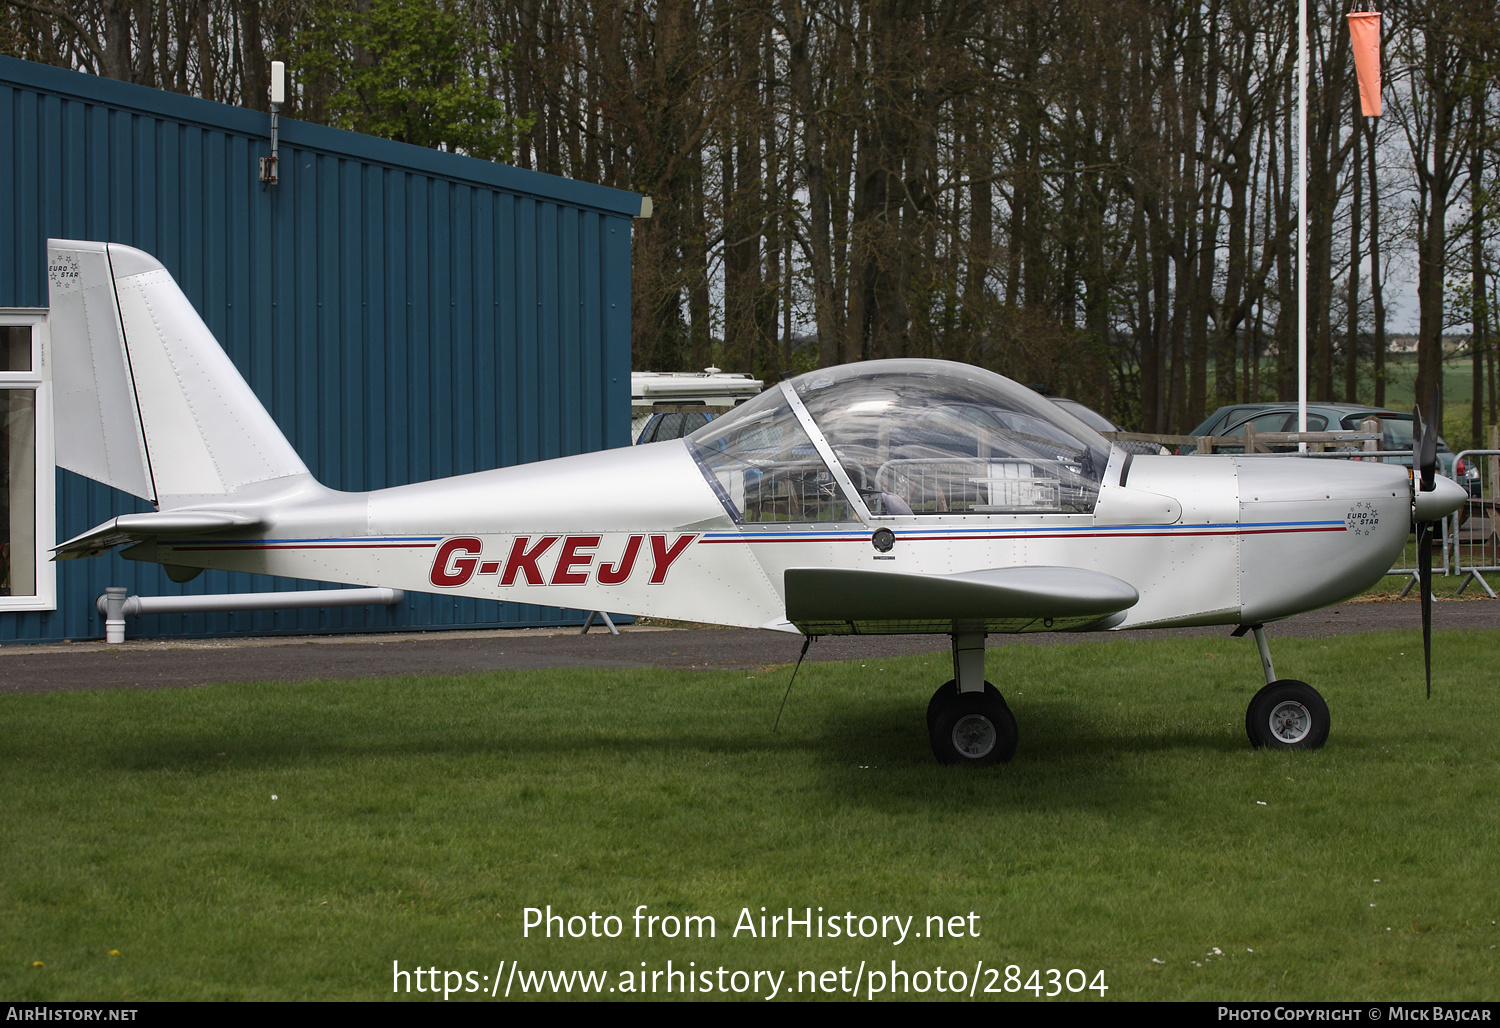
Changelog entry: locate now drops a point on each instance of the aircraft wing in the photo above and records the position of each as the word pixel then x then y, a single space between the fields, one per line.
pixel 135 528
pixel 843 601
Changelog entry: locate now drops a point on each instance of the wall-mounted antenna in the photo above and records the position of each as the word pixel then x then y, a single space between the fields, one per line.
pixel 278 97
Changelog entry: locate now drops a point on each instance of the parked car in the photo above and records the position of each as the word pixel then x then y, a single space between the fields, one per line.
pixel 1221 418
pixel 1321 417
pixel 673 425
pixel 1396 430
pixel 1099 423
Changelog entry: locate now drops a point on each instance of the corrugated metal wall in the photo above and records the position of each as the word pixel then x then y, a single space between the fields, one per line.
pixel 404 314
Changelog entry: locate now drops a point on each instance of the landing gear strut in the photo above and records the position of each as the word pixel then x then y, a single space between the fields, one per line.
pixel 1287 714
pixel 967 719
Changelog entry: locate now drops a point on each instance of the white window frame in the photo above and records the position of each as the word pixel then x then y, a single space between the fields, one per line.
pixel 39 381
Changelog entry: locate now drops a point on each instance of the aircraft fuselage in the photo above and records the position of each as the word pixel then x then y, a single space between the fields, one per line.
pixel 1205 540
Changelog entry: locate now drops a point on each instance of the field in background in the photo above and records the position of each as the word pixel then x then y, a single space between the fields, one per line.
pixel 1458 382
pixel 1136 832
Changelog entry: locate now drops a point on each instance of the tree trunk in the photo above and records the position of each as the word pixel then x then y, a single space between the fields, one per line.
pixel 1356 258
pixel 818 249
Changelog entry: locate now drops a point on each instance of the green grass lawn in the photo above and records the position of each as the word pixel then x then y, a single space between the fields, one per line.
pixel 1443 586
pixel 143 857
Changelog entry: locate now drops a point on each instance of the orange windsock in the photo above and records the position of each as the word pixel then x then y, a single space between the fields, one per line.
pixel 1364 36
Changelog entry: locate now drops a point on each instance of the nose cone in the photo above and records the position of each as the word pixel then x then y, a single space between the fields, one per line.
pixel 1445 498
pixel 1316 531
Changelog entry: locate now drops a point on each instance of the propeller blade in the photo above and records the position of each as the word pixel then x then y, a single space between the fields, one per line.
pixel 1424 582
pixel 1426 456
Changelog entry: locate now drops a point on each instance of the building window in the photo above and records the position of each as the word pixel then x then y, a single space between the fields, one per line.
pixel 27 579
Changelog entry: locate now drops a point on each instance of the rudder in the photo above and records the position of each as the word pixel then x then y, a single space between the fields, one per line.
pixel 133 362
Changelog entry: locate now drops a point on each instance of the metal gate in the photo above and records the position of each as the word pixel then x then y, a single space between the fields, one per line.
pixel 1475 527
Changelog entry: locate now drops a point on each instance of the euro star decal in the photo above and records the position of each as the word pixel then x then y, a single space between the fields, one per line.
pixel 1362 518
pixel 63 272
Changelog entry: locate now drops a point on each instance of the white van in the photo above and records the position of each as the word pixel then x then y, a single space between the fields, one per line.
pixel 671 404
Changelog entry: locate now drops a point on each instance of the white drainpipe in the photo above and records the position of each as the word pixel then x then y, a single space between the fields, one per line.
pixel 116 606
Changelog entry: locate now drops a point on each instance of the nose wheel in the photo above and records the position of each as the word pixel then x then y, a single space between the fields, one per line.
pixel 1287 715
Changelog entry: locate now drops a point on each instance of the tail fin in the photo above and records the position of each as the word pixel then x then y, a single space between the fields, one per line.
pixel 146 400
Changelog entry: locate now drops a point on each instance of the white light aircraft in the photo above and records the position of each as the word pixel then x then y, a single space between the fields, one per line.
pixel 906 496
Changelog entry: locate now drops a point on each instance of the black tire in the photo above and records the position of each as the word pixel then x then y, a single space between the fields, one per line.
pixel 974 728
pixel 948 690
pixel 1287 715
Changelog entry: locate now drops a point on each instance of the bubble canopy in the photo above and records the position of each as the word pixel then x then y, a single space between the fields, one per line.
pixel 912 437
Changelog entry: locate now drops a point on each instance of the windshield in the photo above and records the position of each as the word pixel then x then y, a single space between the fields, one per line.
pixel 934 437
pixel 765 468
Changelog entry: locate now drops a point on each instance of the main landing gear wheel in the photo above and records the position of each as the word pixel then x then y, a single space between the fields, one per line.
pixel 975 728
pixel 1287 715
pixel 948 690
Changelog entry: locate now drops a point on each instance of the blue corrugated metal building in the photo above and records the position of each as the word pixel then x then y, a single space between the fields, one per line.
pixel 404 314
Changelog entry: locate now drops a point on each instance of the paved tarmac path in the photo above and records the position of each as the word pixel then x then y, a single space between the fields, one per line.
pixel 176 663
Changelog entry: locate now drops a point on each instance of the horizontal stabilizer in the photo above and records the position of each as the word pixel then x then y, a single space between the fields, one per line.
pixel 843 601
pixel 134 528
